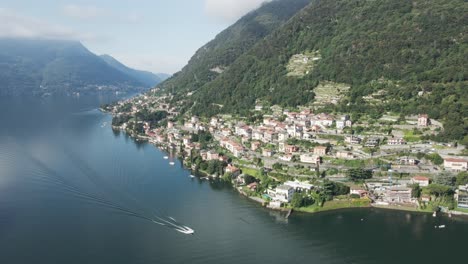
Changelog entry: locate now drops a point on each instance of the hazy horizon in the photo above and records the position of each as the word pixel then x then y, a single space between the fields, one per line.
pixel 156 36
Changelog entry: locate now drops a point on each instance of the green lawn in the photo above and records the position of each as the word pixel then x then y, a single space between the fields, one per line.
pixel 349 163
pixel 411 137
pixel 464 210
pixel 254 172
pixel 334 205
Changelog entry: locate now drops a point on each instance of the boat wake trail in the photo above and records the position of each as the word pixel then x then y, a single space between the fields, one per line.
pixel 45 173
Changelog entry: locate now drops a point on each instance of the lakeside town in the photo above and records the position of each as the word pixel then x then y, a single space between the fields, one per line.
pixel 310 161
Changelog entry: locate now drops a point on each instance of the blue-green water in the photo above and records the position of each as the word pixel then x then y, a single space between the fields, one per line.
pixel 65 176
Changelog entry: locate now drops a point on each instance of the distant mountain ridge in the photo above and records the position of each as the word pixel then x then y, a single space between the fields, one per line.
pixel 43 66
pixel 148 78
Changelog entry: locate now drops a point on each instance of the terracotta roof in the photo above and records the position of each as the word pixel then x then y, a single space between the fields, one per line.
pixel 455 160
pixel 421 178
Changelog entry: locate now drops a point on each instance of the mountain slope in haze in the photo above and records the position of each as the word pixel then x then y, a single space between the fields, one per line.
pixel 39 66
pixel 148 78
pixel 216 56
pixel 163 76
pixel 389 50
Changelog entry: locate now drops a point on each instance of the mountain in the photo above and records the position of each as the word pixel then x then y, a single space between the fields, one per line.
pixel 408 57
pixel 147 78
pixel 217 56
pixel 40 66
pixel 163 76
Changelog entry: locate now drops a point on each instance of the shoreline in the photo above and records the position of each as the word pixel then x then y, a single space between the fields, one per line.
pixel 264 203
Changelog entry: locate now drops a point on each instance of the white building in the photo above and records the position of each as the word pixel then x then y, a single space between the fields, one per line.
pixel 421 180
pixel 282 193
pixel 298 185
pixel 461 195
pixel 398 195
pixel 308 158
pixel 456 164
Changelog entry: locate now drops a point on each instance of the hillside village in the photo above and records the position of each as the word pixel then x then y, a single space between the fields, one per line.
pixel 309 160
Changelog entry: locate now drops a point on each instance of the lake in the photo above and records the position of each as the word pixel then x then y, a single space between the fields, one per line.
pixel 74 191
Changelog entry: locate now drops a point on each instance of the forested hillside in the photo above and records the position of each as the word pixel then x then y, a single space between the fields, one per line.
pixel 217 56
pixel 401 56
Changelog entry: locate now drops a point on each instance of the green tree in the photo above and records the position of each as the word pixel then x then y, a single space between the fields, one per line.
pixel 358 174
pixel 439 190
pixel 435 158
pixel 296 200
pixel 415 190
pixel 249 179
pixel 462 178
pixel 445 178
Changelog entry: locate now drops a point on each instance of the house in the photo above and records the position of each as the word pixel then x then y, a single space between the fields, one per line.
pixel 257 134
pixel 258 107
pixel 226 132
pixel 194 119
pixel 189 125
pixel 396 141
pixel 423 120
pixel 204 154
pixel 372 142
pixel 267 152
pixel 187 140
pixel 288 149
pixel 300 186
pixel 455 164
pixel 421 180
pixel 320 151
pixel 270 136
pixel 287 157
pixel 244 131
pixel 282 193
pixel 283 136
pixel 408 161
pixel 212 155
pixel 425 198
pixel 307 158
pixel 233 170
pixel 340 124
pixel 344 155
pixel 214 121
pixel 461 195
pixel 255 145
pixel 359 191
pixel 170 125
pixel 398 195
pixel 253 186
pixel 353 140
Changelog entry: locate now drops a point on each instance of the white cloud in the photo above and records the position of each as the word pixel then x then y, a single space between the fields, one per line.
pixel 15 25
pixel 83 12
pixel 230 10
pixel 89 12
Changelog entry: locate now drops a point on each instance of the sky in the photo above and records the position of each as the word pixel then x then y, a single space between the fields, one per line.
pixel 154 35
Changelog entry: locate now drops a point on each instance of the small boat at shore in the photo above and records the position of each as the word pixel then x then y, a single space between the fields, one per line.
pixel 440 227
pixel 192 176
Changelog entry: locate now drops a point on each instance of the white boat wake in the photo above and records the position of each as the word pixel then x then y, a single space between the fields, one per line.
pixel 175 225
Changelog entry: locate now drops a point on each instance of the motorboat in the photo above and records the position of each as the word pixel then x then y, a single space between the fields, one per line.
pixel 186 230
pixel 172 163
pixel 165 157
